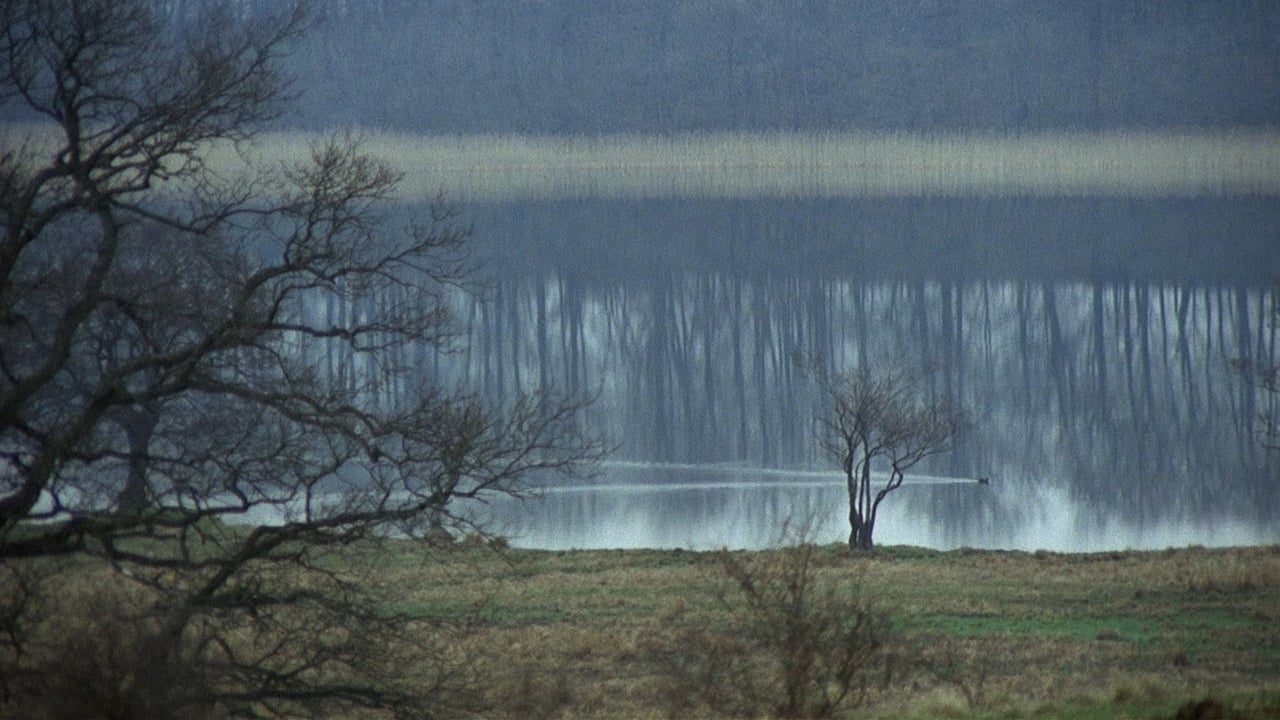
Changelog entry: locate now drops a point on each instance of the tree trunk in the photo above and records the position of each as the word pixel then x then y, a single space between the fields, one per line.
pixel 855 529
pixel 860 533
pixel 138 425
pixel 861 522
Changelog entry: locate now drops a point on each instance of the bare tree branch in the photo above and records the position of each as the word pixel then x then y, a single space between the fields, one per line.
pixel 178 352
pixel 871 418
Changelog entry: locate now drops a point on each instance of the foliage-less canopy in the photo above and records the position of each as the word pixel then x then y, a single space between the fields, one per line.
pixel 168 345
pixel 879 420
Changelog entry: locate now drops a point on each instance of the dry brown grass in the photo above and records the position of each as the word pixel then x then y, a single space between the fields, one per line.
pixel 977 634
pixel 1014 634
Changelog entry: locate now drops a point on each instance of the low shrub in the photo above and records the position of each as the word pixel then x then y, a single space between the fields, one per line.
pixel 795 644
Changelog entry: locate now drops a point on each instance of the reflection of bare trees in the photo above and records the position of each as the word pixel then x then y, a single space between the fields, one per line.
pixel 1262 372
pixel 1121 388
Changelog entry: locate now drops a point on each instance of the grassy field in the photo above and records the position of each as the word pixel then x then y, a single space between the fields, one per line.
pixel 1189 633
pixel 975 634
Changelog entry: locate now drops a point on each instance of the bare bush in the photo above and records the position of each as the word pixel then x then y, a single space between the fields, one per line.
pixel 92 647
pixel 98 644
pixel 798 643
pixel 960 666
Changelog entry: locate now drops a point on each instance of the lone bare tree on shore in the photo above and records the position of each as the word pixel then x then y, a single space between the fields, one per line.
pixel 167 345
pixel 871 421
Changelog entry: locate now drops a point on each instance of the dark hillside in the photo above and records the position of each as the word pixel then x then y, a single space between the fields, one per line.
pixel 585 66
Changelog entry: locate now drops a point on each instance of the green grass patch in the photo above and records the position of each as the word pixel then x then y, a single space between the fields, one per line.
pixel 1119 628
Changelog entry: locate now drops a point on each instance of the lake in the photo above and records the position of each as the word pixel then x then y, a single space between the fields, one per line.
pixel 1086 297
pixel 634 505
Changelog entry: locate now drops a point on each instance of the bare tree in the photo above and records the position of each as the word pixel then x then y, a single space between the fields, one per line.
pixel 883 422
pixel 165 366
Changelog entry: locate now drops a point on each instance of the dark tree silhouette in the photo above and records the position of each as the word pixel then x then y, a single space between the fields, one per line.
pixel 168 333
pixel 879 421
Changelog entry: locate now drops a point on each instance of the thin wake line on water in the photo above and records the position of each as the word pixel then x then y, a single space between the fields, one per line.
pixel 812 478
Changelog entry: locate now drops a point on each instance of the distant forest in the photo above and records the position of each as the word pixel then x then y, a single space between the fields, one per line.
pixel 655 66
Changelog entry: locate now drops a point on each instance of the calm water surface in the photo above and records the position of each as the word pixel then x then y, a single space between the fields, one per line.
pixel 675 506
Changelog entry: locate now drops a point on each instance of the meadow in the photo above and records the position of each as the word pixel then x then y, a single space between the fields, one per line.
pixel 972 634
pixel 801 631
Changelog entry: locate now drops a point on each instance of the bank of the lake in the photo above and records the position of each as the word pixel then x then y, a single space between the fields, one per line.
pixel 974 633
